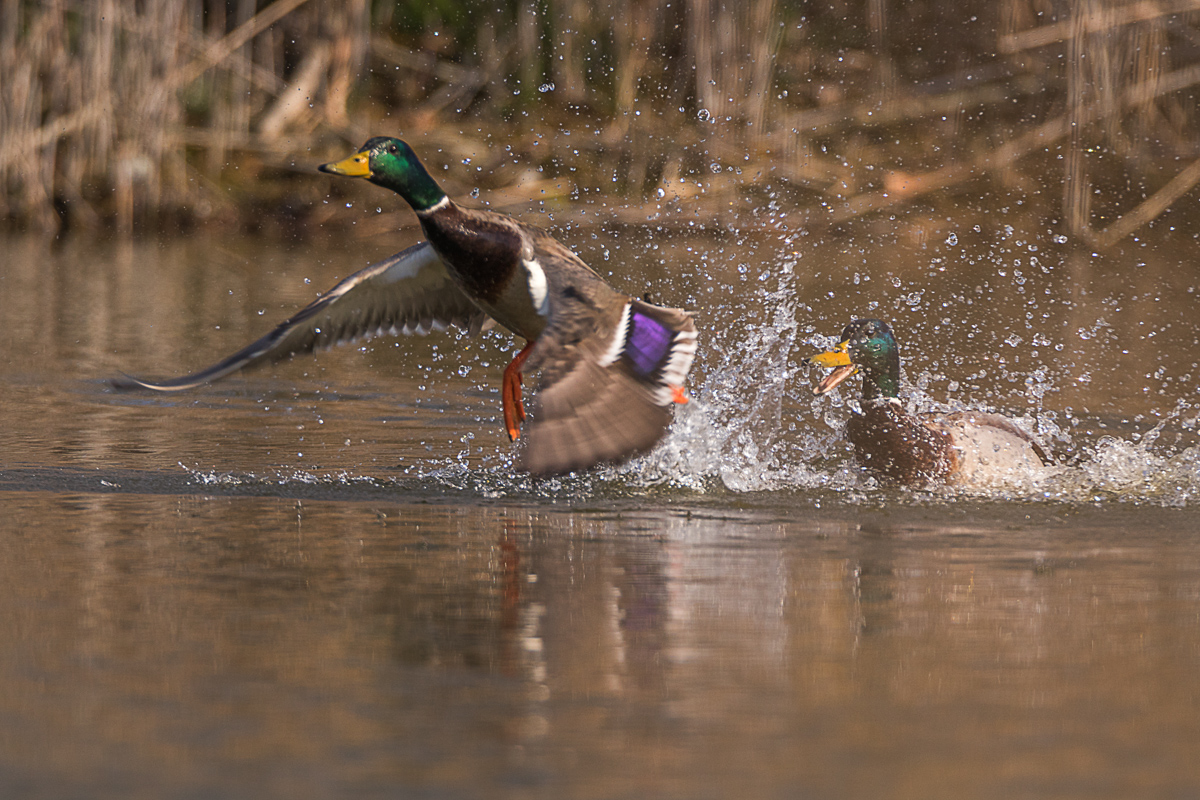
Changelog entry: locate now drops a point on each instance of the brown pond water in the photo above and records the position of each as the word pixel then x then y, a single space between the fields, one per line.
pixel 322 579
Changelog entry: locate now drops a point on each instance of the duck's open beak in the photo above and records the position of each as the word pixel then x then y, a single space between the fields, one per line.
pixel 356 166
pixel 839 359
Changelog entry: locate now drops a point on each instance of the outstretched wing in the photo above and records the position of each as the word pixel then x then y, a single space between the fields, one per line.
pixel 608 381
pixel 408 292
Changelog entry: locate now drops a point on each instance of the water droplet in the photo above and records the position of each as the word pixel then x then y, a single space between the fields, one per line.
pixel 952 239
pixel 546 87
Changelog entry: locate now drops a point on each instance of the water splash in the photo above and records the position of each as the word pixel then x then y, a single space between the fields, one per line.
pixel 703 454
pixel 708 453
pixel 1135 469
pixel 732 433
pixel 737 435
pixel 752 428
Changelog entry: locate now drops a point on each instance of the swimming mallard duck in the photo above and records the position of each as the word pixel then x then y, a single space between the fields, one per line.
pixel 611 366
pixel 965 447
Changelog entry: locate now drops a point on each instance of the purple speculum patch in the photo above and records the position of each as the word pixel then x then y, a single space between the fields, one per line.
pixel 648 343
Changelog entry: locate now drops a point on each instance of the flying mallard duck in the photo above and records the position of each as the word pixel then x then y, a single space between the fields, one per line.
pixel 964 447
pixel 611 366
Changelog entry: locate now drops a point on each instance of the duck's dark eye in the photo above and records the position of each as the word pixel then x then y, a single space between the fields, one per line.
pixel 393 149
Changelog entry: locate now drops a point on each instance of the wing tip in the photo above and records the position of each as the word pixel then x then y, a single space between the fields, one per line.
pixel 128 383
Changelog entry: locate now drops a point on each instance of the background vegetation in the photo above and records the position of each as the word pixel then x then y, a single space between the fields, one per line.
pixel 167 114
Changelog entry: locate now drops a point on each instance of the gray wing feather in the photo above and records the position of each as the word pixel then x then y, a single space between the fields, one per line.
pixel 406 293
pixel 590 415
pixel 586 412
pixel 1004 424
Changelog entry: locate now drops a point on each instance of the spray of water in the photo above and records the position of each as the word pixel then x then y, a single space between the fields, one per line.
pixel 740 435
pixel 752 425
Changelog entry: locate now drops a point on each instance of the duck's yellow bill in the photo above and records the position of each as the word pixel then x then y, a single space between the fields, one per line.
pixel 356 166
pixel 839 360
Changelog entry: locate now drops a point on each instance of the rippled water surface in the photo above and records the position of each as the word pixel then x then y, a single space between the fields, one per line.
pixel 323 579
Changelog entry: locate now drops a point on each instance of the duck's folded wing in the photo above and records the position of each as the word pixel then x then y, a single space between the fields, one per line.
pixel 406 293
pixel 1001 423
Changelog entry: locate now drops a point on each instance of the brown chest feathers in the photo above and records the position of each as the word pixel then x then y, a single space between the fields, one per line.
pixel 897 445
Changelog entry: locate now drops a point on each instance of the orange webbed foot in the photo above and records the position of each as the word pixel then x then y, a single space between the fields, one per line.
pixel 510 394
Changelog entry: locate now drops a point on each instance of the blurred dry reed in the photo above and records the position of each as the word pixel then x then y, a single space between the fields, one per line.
pixel 163 114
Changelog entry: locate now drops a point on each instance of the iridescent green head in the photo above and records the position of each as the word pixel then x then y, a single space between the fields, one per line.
pixel 869 347
pixel 392 164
